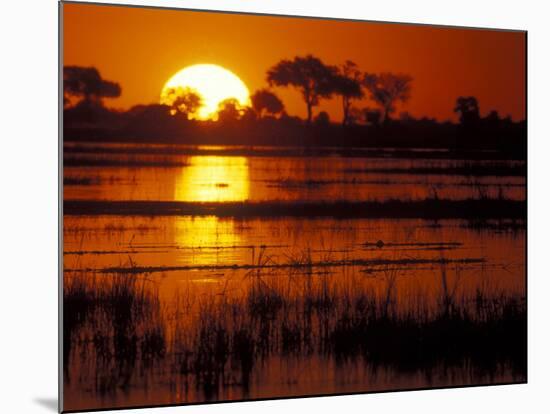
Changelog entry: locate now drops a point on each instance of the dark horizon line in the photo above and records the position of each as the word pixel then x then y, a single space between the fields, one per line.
pixel 426 209
pixel 332 121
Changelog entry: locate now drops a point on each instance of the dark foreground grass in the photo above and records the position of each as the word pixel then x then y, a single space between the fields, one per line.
pixel 294 264
pixel 117 332
pixel 431 208
pixel 118 318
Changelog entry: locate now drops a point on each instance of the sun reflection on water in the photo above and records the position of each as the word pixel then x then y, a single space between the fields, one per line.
pixel 210 179
pixel 213 179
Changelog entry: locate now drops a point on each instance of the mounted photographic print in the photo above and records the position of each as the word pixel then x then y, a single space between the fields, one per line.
pixel 259 207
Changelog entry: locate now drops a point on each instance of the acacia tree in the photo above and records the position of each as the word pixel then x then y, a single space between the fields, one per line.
pixel 468 108
pixel 265 101
pixel 309 75
pixel 87 84
pixel 347 84
pixel 386 89
pixel 184 101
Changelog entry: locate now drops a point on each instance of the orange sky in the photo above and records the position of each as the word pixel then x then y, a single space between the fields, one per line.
pixel 141 48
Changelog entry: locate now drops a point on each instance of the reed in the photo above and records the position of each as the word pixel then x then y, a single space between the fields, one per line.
pixel 119 324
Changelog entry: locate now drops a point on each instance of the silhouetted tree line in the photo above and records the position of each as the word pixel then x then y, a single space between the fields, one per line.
pixel 267 123
pixel 316 81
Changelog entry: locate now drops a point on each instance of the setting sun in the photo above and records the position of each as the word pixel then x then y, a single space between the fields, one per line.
pixel 213 83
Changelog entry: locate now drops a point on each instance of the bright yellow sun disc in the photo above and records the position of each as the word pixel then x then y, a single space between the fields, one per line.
pixel 213 83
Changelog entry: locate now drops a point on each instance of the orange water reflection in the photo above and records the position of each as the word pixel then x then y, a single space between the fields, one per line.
pixel 213 179
pixel 203 239
pixel 193 262
pixel 210 179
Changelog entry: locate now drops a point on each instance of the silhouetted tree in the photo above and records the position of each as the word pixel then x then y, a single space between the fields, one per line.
pixel 355 115
pixel 229 110
pixel 87 84
pixel 468 109
pixel 322 119
pixel 289 120
pixel 264 101
pixel 406 117
pixel 159 110
pixel 184 101
pixel 309 75
pixel 493 121
pixel 493 117
pixel 90 114
pixel 145 121
pixel 387 89
pixel 151 116
pixel 372 116
pixel 347 84
pixel 248 114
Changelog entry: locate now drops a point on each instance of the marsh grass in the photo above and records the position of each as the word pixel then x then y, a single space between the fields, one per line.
pixel 116 329
pixel 468 169
pixel 290 183
pixel 114 321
